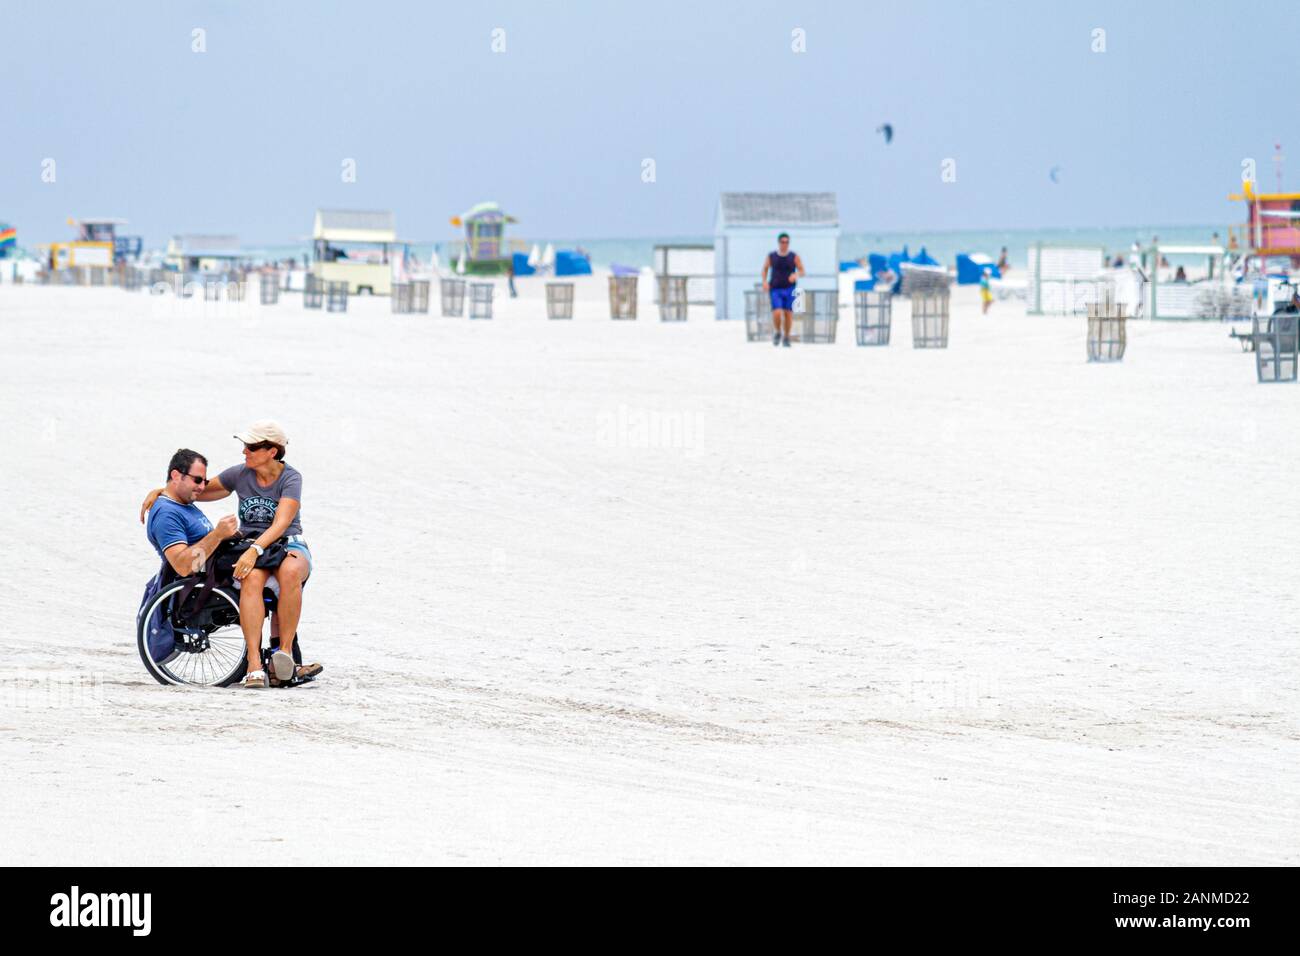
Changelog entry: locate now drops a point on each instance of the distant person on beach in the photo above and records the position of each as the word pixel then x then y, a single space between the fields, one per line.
pixel 986 290
pixel 781 271
pixel 270 495
pixel 510 277
pixel 1004 265
pixel 1180 275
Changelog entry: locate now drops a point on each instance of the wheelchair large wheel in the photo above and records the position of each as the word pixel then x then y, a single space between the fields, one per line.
pixel 210 649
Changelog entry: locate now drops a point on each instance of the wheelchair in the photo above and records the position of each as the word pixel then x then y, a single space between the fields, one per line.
pixel 209 649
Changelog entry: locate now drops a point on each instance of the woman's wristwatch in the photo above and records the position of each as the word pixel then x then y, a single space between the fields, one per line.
pixel 258 548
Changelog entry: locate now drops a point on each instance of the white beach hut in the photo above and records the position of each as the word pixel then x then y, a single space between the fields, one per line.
pixel 194 253
pixel 745 232
pixel 356 247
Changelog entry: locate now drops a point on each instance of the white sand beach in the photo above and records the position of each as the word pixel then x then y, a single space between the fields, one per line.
pixel 632 592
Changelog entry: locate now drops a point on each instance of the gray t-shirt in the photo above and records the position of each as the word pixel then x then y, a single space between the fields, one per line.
pixel 257 504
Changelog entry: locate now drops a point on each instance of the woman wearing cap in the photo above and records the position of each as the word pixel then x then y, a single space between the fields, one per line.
pixel 270 498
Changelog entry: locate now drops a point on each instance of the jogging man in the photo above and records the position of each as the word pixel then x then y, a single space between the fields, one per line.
pixel 786 269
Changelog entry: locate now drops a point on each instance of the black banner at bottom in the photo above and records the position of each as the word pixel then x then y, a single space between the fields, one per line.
pixel 1224 906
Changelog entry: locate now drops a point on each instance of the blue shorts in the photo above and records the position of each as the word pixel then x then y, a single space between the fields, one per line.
pixel 295 543
pixel 783 299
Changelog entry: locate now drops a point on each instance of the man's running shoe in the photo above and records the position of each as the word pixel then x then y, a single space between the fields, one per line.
pixel 786 341
pixel 776 338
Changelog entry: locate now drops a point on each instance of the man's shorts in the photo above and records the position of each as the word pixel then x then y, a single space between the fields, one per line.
pixel 783 299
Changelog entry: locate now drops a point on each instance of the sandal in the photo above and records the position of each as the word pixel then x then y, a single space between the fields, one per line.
pixel 282 665
pixel 255 680
pixel 283 670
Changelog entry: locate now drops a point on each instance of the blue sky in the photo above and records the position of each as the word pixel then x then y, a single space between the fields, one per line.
pixel 249 136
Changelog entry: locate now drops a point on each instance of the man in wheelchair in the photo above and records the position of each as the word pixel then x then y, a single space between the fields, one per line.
pixel 189 545
pixel 178 530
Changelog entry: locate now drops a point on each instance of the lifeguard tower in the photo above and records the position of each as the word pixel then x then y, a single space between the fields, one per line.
pixel 1268 244
pixel 356 247
pixel 1272 225
pixel 485 250
pixel 97 246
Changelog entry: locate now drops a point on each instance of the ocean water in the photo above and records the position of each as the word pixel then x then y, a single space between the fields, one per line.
pixel 942 245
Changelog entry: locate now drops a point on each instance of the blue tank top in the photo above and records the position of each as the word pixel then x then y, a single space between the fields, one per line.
pixel 782 269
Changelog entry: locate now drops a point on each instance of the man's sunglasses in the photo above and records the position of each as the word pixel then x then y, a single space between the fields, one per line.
pixel 260 446
pixel 196 479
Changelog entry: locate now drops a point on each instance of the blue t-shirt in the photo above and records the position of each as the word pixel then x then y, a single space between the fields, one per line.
pixel 171 522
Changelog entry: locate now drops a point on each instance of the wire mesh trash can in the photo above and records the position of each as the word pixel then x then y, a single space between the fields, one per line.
pixel 131 279
pixel 336 296
pixel 758 318
pixel 453 296
pixel 234 286
pixel 420 295
pixel 401 298
pixel 873 312
pixel 672 299
pixel 559 300
pixel 821 315
pixel 97 276
pixel 480 300
pixel 930 320
pixel 182 285
pixel 622 297
pixel 268 284
pixel 212 288
pixel 1277 340
pixel 1107 333
pixel 313 292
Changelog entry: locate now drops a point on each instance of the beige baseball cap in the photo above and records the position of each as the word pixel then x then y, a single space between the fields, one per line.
pixel 264 430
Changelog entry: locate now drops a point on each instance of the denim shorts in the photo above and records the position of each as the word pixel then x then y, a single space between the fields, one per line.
pixel 295 543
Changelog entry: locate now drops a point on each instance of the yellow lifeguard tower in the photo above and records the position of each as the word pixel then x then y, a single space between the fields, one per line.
pixel 95 246
pixel 356 247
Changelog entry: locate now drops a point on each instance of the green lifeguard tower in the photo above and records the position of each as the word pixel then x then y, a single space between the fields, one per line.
pixel 485 251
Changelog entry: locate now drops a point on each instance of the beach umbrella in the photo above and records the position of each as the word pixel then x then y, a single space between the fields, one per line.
pixel 460 264
pixel 548 256
pixel 433 261
pixel 888 130
pixel 534 256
